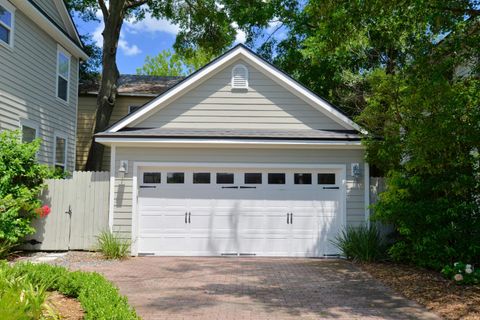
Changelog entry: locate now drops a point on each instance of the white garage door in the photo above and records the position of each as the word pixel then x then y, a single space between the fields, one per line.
pixel 276 212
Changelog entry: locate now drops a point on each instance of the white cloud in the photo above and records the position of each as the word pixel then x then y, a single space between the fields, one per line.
pixel 150 24
pixel 241 36
pixel 127 49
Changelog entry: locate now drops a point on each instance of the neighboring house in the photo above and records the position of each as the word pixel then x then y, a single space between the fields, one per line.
pixel 39 52
pixel 236 159
pixel 133 92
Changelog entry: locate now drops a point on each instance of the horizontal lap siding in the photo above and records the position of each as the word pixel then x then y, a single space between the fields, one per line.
pixel 28 88
pixel 87 105
pixel 266 105
pixel 51 9
pixel 123 186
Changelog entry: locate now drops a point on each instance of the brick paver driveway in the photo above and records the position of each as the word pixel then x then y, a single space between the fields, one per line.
pixel 255 288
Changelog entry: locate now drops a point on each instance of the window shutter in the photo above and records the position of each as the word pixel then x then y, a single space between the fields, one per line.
pixel 239 77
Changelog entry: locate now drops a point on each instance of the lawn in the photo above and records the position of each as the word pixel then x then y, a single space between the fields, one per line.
pixel 430 289
pixel 41 291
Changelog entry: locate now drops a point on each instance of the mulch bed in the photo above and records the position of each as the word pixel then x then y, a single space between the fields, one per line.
pixel 429 289
pixel 67 308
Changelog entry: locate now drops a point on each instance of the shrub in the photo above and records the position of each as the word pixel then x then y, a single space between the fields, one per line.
pixel 362 243
pixel 462 273
pixel 98 297
pixel 112 246
pixel 21 180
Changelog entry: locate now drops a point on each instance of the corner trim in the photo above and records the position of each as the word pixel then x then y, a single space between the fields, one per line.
pixel 112 188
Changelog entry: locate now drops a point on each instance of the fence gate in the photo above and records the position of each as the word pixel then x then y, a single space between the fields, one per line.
pixel 79 211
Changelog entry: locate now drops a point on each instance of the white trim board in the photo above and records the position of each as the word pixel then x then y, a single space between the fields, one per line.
pixel 236 53
pixel 136 165
pixel 229 143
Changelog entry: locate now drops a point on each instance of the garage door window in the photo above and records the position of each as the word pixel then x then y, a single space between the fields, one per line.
pixel 276 178
pixel 152 177
pixel 224 178
pixel 175 177
pixel 253 178
pixel 326 178
pixel 302 178
pixel 201 178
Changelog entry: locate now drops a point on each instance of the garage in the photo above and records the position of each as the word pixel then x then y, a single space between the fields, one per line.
pixel 231 211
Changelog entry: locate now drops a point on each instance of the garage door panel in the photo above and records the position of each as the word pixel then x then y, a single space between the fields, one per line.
pixel 247 220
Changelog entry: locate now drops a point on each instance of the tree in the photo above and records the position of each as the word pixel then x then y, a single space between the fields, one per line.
pixel 167 63
pixel 204 24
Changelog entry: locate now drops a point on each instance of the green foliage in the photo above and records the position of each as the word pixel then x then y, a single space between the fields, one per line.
pixel 20 298
pixel 112 246
pixel 462 273
pixel 361 243
pixel 429 123
pixel 167 63
pixel 98 297
pixel 21 180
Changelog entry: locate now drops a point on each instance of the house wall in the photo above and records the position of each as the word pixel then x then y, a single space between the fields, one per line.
pixel 265 105
pixel 51 10
pixel 87 105
pixel 28 88
pixel 123 185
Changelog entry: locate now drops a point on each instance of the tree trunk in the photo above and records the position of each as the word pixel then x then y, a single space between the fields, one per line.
pixel 108 88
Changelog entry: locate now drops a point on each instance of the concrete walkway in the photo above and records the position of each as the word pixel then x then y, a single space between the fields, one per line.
pixel 255 288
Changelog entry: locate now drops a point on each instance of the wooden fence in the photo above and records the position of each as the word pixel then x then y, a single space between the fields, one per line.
pixel 79 212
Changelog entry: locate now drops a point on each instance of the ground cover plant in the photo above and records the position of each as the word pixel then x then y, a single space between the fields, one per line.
pixel 23 287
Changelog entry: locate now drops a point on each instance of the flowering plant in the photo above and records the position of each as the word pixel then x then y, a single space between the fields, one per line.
pixel 462 273
pixel 43 211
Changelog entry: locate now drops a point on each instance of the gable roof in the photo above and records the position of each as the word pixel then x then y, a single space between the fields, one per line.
pixel 71 42
pixel 239 51
pixel 134 85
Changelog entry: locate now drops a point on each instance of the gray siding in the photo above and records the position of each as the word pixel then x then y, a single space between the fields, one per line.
pixel 28 88
pixel 123 186
pixel 213 104
pixel 87 106
pixel 51 10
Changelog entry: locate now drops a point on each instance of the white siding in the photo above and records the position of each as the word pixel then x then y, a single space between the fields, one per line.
pixel 265 105
pixel 28 88
pixel 123 186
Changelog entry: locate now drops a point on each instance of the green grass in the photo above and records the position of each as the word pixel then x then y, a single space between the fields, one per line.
pixel 23 287
pixel 112 246
pixel 361 243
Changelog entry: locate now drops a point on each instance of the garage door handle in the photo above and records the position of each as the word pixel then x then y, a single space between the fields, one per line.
pixel 331 187
pixel 245 187
pixel 288 218
pixel 185 217
pixel 236 187
pixel 145 187
pixel 291 218
pixel 189 215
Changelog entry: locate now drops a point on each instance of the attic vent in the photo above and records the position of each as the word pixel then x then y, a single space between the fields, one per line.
pixel 239 77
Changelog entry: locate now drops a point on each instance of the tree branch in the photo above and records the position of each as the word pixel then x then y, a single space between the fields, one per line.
pixel 134 4
pixel 104 8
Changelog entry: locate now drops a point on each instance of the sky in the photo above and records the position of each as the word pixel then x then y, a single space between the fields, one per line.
pixel 147 37
pixel 137 39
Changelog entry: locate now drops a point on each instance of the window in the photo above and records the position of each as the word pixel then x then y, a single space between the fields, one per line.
pixel 302 178
pixel 60 152
pixel 132 109
pixel 63 73
pixel 29 133
pixel 276 178
pixel 253 178
pixel 326 178
pixel 152 177
pixel 225 178
pixel 201 178
pixel 239 77
pixel 6 23
pixel 175 177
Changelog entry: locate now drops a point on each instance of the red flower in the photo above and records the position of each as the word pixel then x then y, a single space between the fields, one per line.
pixel 43 211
